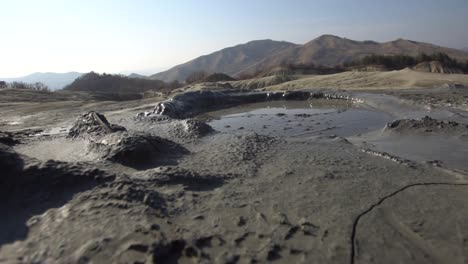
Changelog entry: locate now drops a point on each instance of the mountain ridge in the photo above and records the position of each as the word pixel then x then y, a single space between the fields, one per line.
pixel 328 50
pixel 228 60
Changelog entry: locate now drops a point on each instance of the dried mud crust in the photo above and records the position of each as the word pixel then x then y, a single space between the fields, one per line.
pixel 427 125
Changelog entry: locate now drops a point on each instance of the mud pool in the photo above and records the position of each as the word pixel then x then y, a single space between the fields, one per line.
pixel 298 118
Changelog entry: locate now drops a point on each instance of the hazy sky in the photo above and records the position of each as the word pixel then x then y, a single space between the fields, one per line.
pixel 150 35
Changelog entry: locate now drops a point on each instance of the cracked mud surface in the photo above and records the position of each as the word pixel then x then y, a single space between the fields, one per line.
pixel 207 196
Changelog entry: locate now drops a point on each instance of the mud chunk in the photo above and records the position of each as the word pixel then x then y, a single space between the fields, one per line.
pixel 274 253
pixel 308 228
pixel 282 219
pixel 303 115
pixel 138 247
pixel 93 124
pixel 198 217
pixel 241 221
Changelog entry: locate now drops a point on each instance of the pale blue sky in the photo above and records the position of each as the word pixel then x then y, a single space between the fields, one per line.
pixel 147 36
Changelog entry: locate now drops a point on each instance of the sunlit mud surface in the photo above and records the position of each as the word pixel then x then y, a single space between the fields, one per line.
pixel 355 179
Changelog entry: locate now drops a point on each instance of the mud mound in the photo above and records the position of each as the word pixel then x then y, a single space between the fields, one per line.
pixel 190 129
pixel 197 128
pixel 135 150
pixel 426 125
pixel 93 124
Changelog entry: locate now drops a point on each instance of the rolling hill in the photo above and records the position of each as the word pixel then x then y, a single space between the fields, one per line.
pixel 54 81
pixel 325 50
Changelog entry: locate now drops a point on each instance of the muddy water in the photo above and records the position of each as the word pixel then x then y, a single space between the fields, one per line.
pixel 448 151
pixel 298 118
pixel 360 123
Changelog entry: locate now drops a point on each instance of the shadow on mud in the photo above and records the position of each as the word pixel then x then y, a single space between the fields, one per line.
pixel 29 188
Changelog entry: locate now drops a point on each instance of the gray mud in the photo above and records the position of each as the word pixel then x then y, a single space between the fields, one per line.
pixel 166 186
pixel 425 140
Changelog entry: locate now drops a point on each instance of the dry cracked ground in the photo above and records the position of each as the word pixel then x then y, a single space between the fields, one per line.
pixel 109 187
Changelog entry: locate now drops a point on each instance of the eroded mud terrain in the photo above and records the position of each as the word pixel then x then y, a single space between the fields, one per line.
pixel 165 186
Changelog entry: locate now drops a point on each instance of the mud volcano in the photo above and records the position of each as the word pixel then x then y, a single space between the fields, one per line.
pixel 312 176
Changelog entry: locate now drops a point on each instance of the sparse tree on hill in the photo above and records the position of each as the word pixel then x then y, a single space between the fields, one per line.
pixel 3 85
pixel 38 86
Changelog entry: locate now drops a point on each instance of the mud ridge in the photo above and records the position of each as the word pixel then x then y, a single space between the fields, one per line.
pixel 385 155
pixel 193 103
pixel 379 202
pixel 426 125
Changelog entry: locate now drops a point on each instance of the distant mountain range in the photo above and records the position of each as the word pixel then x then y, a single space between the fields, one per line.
pixel 327 50
pixel 54 81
